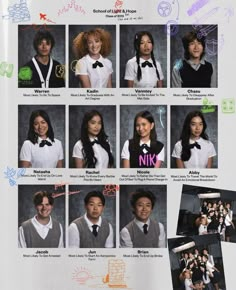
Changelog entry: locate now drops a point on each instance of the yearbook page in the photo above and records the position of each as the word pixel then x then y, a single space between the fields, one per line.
pixel 117 165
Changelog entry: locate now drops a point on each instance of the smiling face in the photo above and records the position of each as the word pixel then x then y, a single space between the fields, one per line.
pixel 94 209
pixel 44 210
pixel 143 128
pixel 44 48
pixel 40 127
pixel 195 50
pixel 94 126
pixel 94 44
pixel 196 128
pixel 145 47
pixel 143 209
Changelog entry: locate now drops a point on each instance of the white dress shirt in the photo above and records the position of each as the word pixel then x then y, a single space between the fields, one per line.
pixel 42 230
pixel 42 157
pixel 125 239
pixel 74 234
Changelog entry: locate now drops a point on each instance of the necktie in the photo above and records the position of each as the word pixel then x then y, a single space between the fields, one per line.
pixel 95 141
pixel 195 145
pixel 146 63
pixel 97 63
pixel 145 226
pixel 95 233
pixel 45 142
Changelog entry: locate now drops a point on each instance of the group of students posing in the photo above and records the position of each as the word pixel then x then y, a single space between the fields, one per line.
pixel 198 270
pixel 216 217
pixel 93 149
pixel 94 69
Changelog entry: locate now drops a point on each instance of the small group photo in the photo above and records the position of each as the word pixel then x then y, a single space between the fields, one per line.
pixel 143 136
pixel 194 137
pixel 92 216
pixel 143 216
pixel 196 263
pixel 143 56
pixel 41 136
pixel 92 56
pixel 92 136
pixel 41 216
pixel 205 210
pixel 194 56
pixel 41 56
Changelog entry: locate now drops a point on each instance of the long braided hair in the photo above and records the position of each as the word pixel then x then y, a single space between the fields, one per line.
pixel 137 40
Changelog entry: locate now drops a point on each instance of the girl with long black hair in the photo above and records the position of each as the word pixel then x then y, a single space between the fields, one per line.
pixel 143 150
pixel 194 150
pixel 93 149
pixel 143 70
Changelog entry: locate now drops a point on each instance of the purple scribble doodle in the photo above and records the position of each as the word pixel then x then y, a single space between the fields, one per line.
pixel 211 46
pixel 6 69
pixel 71 5
pixel 18 12
pixel 201 20
pixel 171 27
pixel 229 12
pixel 164 9
pixel 204 31
pixel 196 6
pixel 12 175
pixel 221 43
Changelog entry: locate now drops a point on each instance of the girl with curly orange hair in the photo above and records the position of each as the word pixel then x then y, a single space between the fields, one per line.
pixel 93 68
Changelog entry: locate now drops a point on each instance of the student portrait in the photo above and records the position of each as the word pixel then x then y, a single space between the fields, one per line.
pixel 92 216
pixel 41 57
pixel 41 136
pixel 194 57
pixel 194 136
pixel 144 59
pixel 143 216
pixel 92 136
pixel 143 136
pixel 41 217
pixel 92 56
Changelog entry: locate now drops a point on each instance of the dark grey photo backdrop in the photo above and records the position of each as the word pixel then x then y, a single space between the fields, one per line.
pixel 127 33
pixel 25 43
pixel 76 203
pixel 159 212
pixel 178 114
pixel 56 114
pixel 177 50
pixel 74 30
pixel 76 114
pixel 127 115
pixel 26 209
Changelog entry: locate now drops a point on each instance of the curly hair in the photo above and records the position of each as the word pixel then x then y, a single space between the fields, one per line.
pixel 137 41
pixel 40 36
pixel 32 136
pixel 186 133
pixel 139 193
pixel 90 159
pixel 80 46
